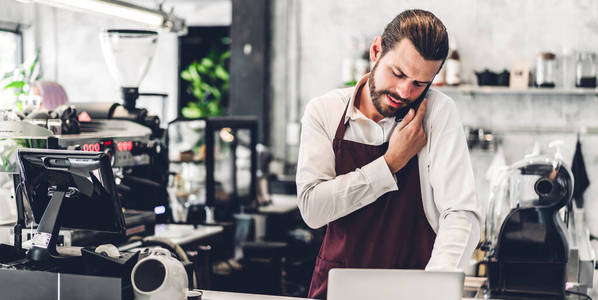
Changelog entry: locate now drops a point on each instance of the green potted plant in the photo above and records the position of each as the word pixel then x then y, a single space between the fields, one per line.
pixel 20 81
pixel 209 84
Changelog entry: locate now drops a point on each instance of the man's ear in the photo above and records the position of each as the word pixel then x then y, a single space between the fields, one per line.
pixel 376 49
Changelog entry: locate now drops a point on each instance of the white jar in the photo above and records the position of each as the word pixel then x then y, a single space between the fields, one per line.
pixel 159 276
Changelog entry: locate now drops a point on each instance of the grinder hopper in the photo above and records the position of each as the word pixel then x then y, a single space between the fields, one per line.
pixel 128 54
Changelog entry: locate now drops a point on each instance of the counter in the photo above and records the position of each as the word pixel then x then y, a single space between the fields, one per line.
pixel 215 295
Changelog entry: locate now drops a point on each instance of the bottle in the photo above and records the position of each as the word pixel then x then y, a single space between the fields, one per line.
pixel 452 65
pixel 545 69
pixel 586 70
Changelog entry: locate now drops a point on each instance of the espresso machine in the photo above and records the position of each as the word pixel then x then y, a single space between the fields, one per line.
pixel 142 183
pixel 535 241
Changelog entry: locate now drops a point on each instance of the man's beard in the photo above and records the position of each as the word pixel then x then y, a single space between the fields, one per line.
pixel 378 97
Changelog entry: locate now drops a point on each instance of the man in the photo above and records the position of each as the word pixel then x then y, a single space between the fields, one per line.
pixel 394 195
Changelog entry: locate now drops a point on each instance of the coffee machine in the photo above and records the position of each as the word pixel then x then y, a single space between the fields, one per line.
pixel 529 248
pixel 142 185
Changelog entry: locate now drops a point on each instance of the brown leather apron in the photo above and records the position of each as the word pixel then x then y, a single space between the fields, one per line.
pixel 390 233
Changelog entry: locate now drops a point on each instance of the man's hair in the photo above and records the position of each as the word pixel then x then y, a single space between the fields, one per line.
pixel 422 28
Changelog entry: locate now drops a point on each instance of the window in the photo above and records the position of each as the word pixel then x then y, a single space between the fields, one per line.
pixel 10 50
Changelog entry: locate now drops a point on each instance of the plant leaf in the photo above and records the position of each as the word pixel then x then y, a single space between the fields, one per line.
pixel 221 73
pixel 186 75
pixel 15 84
pixel 201 69
pixel 224 56
pixel 216 93
pixel 191 112
pixel 34 63
pixel 207 62
pixel 213 108
pixel 198 94
pixel 194 74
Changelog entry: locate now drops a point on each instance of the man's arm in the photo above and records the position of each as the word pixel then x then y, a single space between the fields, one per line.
pixel 322 196
pixel 453 185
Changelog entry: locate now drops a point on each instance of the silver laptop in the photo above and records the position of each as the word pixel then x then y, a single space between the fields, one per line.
pixel 359 284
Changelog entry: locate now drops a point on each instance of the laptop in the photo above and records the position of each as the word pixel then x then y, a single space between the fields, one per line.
pixel 359 284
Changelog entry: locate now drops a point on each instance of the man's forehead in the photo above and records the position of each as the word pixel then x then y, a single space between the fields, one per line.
pixel 405 58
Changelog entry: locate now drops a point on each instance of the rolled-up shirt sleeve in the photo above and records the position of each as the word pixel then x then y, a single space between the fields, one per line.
pixel 322 195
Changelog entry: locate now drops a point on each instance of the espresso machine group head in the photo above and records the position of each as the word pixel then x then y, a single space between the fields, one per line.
pixel 528 247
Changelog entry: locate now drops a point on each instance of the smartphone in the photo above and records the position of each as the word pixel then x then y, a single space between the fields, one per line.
pixel 401 113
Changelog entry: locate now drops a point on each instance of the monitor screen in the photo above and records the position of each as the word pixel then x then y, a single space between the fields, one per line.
pixel 90 200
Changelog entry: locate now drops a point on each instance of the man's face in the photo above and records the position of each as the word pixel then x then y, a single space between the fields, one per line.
pixel 399 77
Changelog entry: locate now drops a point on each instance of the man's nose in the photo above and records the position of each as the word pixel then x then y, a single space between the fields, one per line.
pixel 404 89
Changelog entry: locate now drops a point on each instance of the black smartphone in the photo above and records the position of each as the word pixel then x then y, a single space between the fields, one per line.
pixel 401 113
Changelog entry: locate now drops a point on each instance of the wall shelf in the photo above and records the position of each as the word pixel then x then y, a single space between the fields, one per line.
pixel 487 90
pixel 526 130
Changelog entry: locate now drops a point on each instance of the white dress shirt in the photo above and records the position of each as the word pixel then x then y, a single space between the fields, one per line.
pixel 446 176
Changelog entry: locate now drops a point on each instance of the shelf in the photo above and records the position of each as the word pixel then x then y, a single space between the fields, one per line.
pixel 201 161
pixel 526 130
pixel 474 89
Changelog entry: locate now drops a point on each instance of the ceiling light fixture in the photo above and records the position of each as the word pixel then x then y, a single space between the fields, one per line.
pixel 156 18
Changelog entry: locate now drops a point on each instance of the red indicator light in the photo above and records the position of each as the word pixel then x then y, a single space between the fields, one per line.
pixel 107 143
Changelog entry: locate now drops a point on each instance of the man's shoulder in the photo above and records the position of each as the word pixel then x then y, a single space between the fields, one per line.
pixel 326 110
pixel 438 97
pixel 438 102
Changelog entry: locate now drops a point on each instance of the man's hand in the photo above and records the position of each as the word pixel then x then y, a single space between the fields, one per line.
pixel 407 139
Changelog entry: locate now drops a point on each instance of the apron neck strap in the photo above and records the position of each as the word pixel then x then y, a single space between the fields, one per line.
pixel 342 125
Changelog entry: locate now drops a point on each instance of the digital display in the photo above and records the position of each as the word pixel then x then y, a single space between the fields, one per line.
pixel 124 146
pixel 98 146
pixel 91 147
